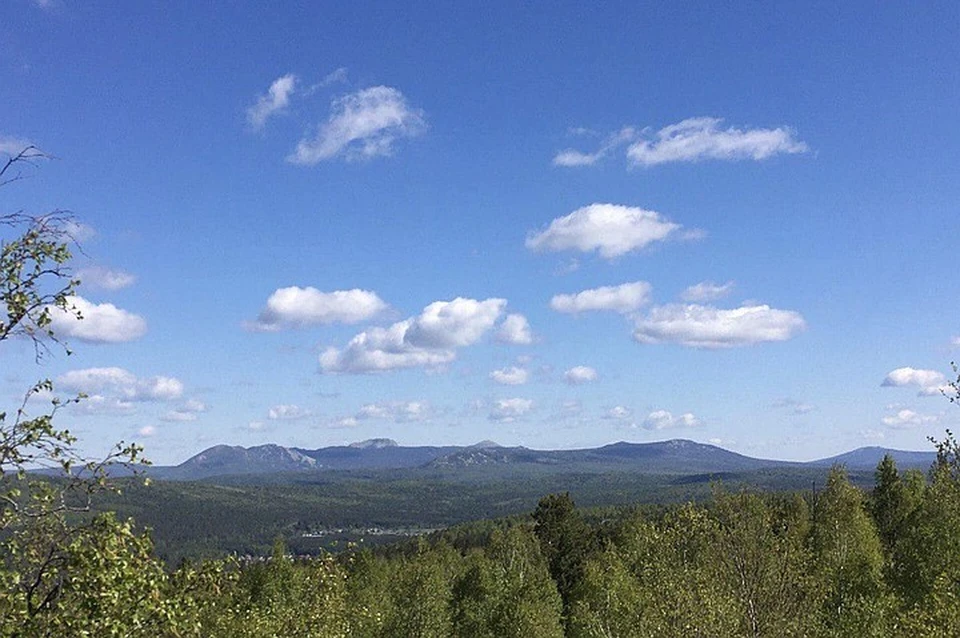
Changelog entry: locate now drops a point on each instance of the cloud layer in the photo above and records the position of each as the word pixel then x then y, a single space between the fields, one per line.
pixel 115 390
pixel 664 420
pixel 102 278
pixel 625 298
pixel 362 125
pixel 691 140
pixel 701 138
pixel 707 327
pixel 706 291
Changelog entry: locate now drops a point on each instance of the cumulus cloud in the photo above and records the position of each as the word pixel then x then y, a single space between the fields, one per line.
pixel 908 419
pixel 510 376
pixel 707 327
pixel 928 382
pixel 121 384
pixel 701 138
pixel 706 291
pixel 299 307
pixel 663 420
pixel 508 410
pixel 397 411
pixel 188 411
pixel 276 99
pixel 362 125
pixel 287 412
pixel 99 323
pixel 429 339
pixel 515 329
pixel 580 374
pixel 102 278
pixel 612 230
pixel 572 158
pixel 147 430
pixel 625 298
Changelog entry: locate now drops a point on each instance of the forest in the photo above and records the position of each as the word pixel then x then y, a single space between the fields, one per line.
pixel 838 562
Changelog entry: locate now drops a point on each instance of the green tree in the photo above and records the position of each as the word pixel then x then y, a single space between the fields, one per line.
pixel 565 540
pixel 849 557
pixel 44 551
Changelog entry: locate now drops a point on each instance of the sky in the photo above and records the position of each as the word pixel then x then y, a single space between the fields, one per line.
pixel 555 225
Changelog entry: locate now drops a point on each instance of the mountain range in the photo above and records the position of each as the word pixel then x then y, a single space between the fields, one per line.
pixel 677 456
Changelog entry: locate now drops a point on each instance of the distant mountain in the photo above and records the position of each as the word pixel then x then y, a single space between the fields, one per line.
pixel 668 457
pixel 867 458
pixel 677 457
pixel 233 459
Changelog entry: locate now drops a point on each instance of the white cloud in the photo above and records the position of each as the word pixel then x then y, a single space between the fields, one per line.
pixel 428 340
pixel 508 410
pixel 580 374
pixel 287 412
pixel 515 329
pixel 97 404
pixel 189 411
pixel 334 77
pixel 908 419
pixel 100 323
pixel 78 231
pixel 572 158
pixel 663 420
pixel 510 376
pixel 625 298
pixel 707 327
pixel 105 278
pixel 701 138
pixel 928 382
pixel 618 413
pixel 120 384
pixel 362 125
pixel 275 100
pixel 13 145
pixel 611 229
pixel 299 307
pixel 397 411
pixel 147 430
pixel 706 291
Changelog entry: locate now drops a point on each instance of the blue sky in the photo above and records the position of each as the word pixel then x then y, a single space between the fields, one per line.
pixel 555 226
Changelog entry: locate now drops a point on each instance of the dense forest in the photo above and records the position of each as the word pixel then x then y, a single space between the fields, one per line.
pixel 838 562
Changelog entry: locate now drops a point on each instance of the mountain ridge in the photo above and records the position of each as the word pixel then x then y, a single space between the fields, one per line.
pixel 673 456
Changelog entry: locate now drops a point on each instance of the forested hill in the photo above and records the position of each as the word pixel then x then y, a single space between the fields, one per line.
pixel 676 456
